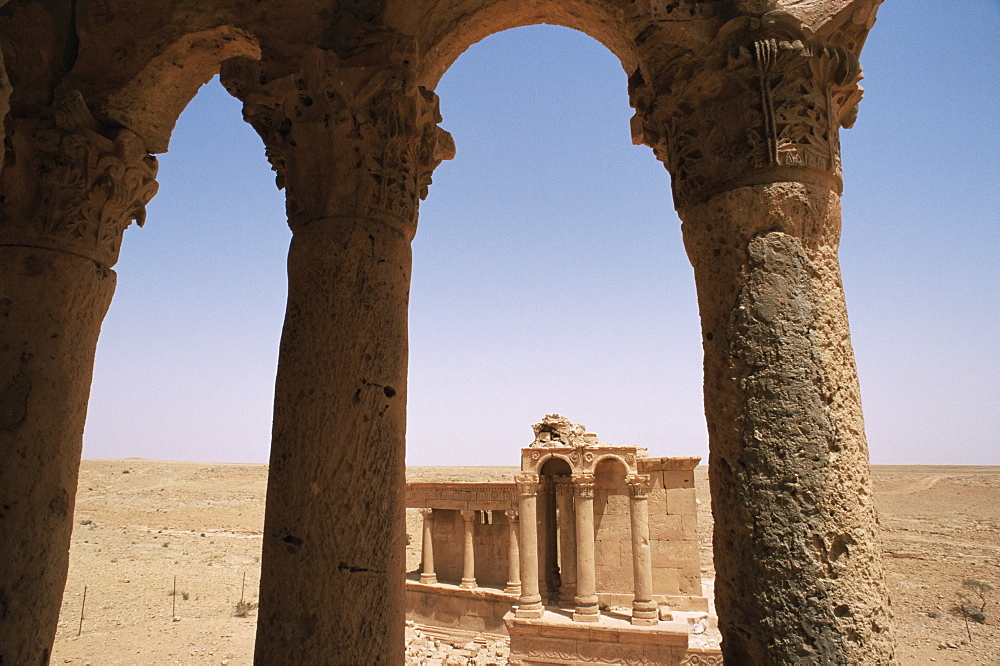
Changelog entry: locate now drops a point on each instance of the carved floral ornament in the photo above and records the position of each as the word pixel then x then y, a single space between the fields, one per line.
pixel 362 115
pixel 743 113
pixel 639 485
pixel 83 183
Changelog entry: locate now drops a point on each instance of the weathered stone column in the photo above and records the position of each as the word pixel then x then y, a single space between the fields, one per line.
pixel 567 542
pixel 530 603
pixel 548 544
pixel 513 554
pixel 644 610
pixel 70 188
pixel 469 550
pixel 427 574
pixel 587 609
pixel 749 131
pixel 354 142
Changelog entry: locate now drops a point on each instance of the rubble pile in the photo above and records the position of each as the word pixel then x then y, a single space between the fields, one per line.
pixel 423 648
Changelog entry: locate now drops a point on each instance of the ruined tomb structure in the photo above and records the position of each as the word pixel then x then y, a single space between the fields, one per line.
pixel 586 526
pixel 635 537
pixel 742 100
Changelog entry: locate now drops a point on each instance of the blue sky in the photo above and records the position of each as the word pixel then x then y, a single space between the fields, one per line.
pixel 549 273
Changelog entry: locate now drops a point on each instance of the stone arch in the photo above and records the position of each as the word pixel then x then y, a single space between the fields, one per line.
pixel 150 103
pixel 611 525
pixel 610 459
pixel 550 460
pixel 445 34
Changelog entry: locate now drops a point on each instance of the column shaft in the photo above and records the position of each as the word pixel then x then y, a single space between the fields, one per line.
pixel 68 190
pixel 530 603
pixel 587 609
pixel 353 142
pixel 427 574
pixel 644 609
pixel 803 578
pixel 567 543
pixel 513 554
pixel 469 550
pixel 332 543
pixel 51 307
pixel 549 541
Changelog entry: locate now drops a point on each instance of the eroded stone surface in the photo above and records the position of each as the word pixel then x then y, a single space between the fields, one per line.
pixel 741 100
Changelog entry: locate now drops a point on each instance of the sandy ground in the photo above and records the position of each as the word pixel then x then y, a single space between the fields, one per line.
pixel 140 524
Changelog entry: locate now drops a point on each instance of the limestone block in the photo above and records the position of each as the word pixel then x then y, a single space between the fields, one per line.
pixel 666 580
pixel 676 555
pixel 666 528
pixel 611 554
pixel 681 501
pixel 678 479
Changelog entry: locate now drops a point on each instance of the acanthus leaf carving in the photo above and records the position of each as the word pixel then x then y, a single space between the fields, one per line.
pixel 361 122
pixel 770 109
pixel 82 184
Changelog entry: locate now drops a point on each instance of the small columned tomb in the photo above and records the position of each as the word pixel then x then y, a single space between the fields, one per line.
pixel 586 526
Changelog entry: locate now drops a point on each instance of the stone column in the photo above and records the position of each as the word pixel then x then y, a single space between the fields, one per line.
pixel 587 609
pixel 70 187
pixel 529 605
pixel 469 550
pixel 751 142
pixel 549 540
pixel 644 610
pixel 513 554
pixel 353 142
pixel 427 574
pixel 567 542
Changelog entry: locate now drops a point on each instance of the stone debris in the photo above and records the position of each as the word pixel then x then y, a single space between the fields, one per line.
pixel 481 651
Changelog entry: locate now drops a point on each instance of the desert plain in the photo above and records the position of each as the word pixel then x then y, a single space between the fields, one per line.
pixel 166 551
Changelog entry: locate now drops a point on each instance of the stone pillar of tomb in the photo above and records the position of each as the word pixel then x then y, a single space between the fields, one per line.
pixel 513 554
pixel 529 605
pixel 567 541
pixel 548 527
pixel 427 574
pixel 70 187
pixel 645 611
pixel 748 128
pixel 353 142
pixel 469 549
pixel 586 601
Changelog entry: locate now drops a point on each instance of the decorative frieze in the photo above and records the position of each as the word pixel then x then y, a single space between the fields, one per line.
pixel 81 184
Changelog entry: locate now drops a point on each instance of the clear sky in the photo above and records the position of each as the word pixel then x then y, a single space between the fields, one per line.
pixel 549 273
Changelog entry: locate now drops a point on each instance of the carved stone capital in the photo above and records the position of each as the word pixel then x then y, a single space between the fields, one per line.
pixel 762 103
pixel 468 516
pixel 428 514
pixel 347 137
pixel 74 185
pixel 639 486
pixel 512 515
pixel 527 484
pixel 583 486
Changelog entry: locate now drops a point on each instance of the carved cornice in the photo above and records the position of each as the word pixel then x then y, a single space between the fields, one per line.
pixel 761 104
pixel 74 184
pixel 348 137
